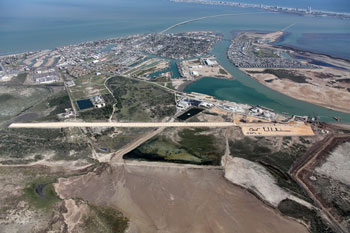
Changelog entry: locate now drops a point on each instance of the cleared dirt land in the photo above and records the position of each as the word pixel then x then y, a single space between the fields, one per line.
pixel 176 200
pixel 327 87
pixel 265 129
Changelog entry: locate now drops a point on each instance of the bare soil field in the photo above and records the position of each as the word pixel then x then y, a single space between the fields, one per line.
pixel 327 87
pixel 195 68
pixel 268 129
pixel 176 200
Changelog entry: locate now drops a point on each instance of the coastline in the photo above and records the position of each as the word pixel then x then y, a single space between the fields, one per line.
pixel 301 99
pixel 303 51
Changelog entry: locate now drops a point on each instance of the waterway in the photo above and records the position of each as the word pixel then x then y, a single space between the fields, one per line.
pixel 247 90
pixel 173 69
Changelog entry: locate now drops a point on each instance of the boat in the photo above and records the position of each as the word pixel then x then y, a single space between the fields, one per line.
pixel 336 118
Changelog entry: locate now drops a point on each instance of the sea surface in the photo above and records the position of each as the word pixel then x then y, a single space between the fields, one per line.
pixel 27 25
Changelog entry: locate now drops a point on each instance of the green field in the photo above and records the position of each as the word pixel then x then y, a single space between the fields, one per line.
pixel 20 146
pixel 113 141
pixel 264 52
pixel 140 101
pixel 283 74
pixel 105 220
pixel 194 146
pixel 88 86
pixel 16 99
pixel 43 200
pixel 311 217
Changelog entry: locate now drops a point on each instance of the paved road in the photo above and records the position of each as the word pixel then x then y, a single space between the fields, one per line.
pixel 56 125
pixel 134 163
pixel 118 156
pixel 211 16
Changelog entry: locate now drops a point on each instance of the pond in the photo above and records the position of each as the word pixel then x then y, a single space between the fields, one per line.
pixel 85 104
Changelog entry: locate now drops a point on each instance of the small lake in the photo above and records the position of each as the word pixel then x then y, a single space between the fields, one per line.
pixel 190 113
pixel 85 104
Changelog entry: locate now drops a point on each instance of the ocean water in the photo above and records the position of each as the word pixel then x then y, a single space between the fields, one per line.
pixel 27 25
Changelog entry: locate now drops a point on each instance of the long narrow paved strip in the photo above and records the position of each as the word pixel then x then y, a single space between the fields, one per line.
pixel 56 125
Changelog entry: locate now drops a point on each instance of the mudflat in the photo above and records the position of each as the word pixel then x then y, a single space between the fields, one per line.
pixel 176 200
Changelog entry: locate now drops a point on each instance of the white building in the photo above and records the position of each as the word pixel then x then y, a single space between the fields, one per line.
pixel 206 105
pixel 195 73
pixel 183 104
pixel 210 62
pixel 70 83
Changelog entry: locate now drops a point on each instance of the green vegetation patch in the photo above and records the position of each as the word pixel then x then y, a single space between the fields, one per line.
pixel 100 113
pixel 5 97
pixel 19 79
pixel 15 100
pixel 201 145
pixel 97 113
pixel 141 101
pixel 264 52
pixel 105 220
pixel 36 184
pixel 334 193
pixel 222 71
pixel 88 86
pixel 160 79
pixel 166 150
pixel 59 102
pixel 298 211
pixel 41 194
pixel 287 74
pixel 20 146
pixel 193 147
pixel 113 141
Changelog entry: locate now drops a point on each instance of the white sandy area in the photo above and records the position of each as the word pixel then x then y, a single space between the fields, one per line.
pixel 255 177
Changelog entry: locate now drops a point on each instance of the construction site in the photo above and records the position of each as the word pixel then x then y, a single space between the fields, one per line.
pixel 202 67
